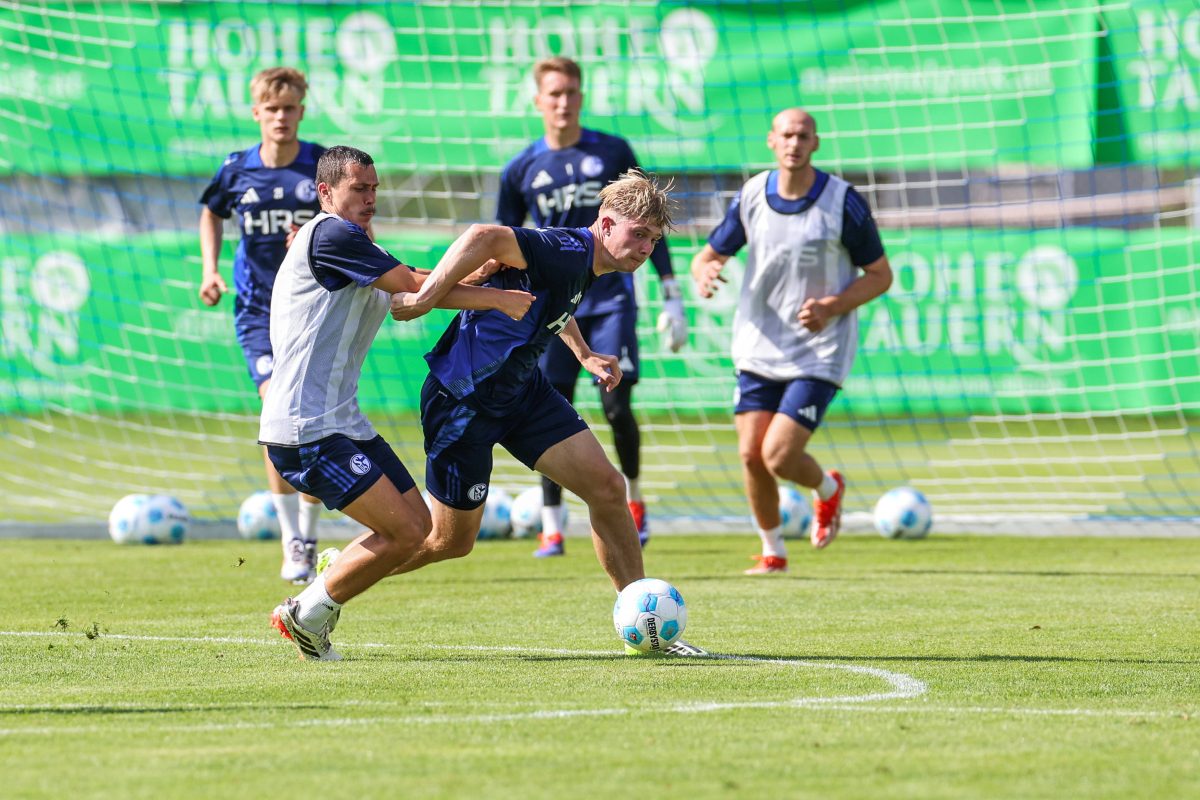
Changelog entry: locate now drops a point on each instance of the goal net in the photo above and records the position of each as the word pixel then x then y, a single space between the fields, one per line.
pixel 1035 367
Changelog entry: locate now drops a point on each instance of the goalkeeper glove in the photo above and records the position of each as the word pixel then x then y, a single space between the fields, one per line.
pixel 672 322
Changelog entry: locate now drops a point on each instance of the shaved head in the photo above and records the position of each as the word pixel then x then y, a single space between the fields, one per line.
pixel 797 116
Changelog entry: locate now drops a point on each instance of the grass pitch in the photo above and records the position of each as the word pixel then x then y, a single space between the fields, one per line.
pixel 955 667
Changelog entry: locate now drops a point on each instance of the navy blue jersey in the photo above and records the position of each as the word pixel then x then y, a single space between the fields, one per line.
pixel 490 356
pixel 860 236
pixel 561 189
pixel 266 202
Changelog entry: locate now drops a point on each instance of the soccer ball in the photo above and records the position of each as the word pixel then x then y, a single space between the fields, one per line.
pixel 148 519
pixel 257 518
pixel 526 513
pixel 795 513
pixel 125 518
pixel 903 513
pixel 497 515
pixel 649 615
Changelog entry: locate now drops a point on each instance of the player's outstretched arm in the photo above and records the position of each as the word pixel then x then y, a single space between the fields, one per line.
pixel 212 285
pixel 480 244
pixel 706 270
pixel 511 302
pixel 816 313
pixel 672 321
pixel 607 369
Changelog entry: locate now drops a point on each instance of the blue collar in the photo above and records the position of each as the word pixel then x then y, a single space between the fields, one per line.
pixel 782 206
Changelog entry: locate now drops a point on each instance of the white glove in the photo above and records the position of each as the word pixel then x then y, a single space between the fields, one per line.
pixel 672 322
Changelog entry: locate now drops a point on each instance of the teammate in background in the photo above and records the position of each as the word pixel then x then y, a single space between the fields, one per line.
pixel 269 187
pixel 557 181
pixel 333 291
pixel 795 331
pixel 484 386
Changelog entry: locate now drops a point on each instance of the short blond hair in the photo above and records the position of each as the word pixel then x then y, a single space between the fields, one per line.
pixel 562 64
pixel 275 81
pixel 638 196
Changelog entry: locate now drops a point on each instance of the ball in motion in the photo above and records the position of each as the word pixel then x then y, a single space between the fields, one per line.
pixel 903 513
pixel 795 513
pixel 257 518
pixel 148 519
pixel 650 615
pixel 497 515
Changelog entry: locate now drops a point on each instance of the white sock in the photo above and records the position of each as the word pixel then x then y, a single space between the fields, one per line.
pixel 772 542
pixel 310 515
pixel 316 606
pixel 828 487
pixel 287 506
pixel 552 519
pixel 632 491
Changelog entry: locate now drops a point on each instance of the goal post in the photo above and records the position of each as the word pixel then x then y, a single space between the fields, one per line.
pixel 1035 367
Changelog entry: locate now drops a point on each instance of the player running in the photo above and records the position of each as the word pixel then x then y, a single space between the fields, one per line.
pixel 557 181
pixel 810 234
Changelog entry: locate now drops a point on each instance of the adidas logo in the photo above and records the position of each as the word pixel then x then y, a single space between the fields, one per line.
pixel 809 413
pixel 543 179
pixel 249 197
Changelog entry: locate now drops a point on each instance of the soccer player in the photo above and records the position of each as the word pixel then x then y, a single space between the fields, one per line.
pixel 270 188
pixel 557 181
pixel 333 290
pixel 484 386
pixel 814 257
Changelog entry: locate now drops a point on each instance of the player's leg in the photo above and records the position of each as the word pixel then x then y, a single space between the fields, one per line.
pixel 561 368
pixel 617 334
pixel 548 436
pixel 453 536
pixel 580 465
pixel 370 485
pixel 254 336
pixel 762 490
pixel 785 453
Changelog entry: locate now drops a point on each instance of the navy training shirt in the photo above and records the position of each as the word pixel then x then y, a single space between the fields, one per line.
pixel 266 202
pixel 341 253
pixel 490 356
pixel 860 236
pixel 561 189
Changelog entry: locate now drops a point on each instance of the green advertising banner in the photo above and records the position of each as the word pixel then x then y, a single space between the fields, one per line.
pixel 150 88
pixel 1156 54
pixel 1073 320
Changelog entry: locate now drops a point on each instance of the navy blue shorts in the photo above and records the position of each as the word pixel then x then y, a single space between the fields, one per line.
pixel 803 399
pixel 610 334
pixel 337 469
pixel 459 437
pixel 254 335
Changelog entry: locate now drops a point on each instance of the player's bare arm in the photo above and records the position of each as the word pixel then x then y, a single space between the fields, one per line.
pixel 605 368
pixel 706 271
pixel 816 313
pixel 479 245
pixel 212 285
pixel 403 283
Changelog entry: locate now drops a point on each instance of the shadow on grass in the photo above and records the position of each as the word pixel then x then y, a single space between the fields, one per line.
pixel 1038 573
pixel 73 710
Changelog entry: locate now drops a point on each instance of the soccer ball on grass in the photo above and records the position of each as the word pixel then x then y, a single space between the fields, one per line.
pixel 903 513
pixel 649 615
pixel 148 519
pixel 497 515
pixel 257 518
pixel 795 513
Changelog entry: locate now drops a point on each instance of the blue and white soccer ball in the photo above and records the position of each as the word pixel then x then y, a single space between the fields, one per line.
pixel 526 513
pixel 795 513
pixel 257 518
pixel 497 515
pixel 903 513
pixel 148 519
pixel 649 615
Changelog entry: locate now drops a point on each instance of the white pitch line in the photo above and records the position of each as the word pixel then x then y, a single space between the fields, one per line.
pixel 903 687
